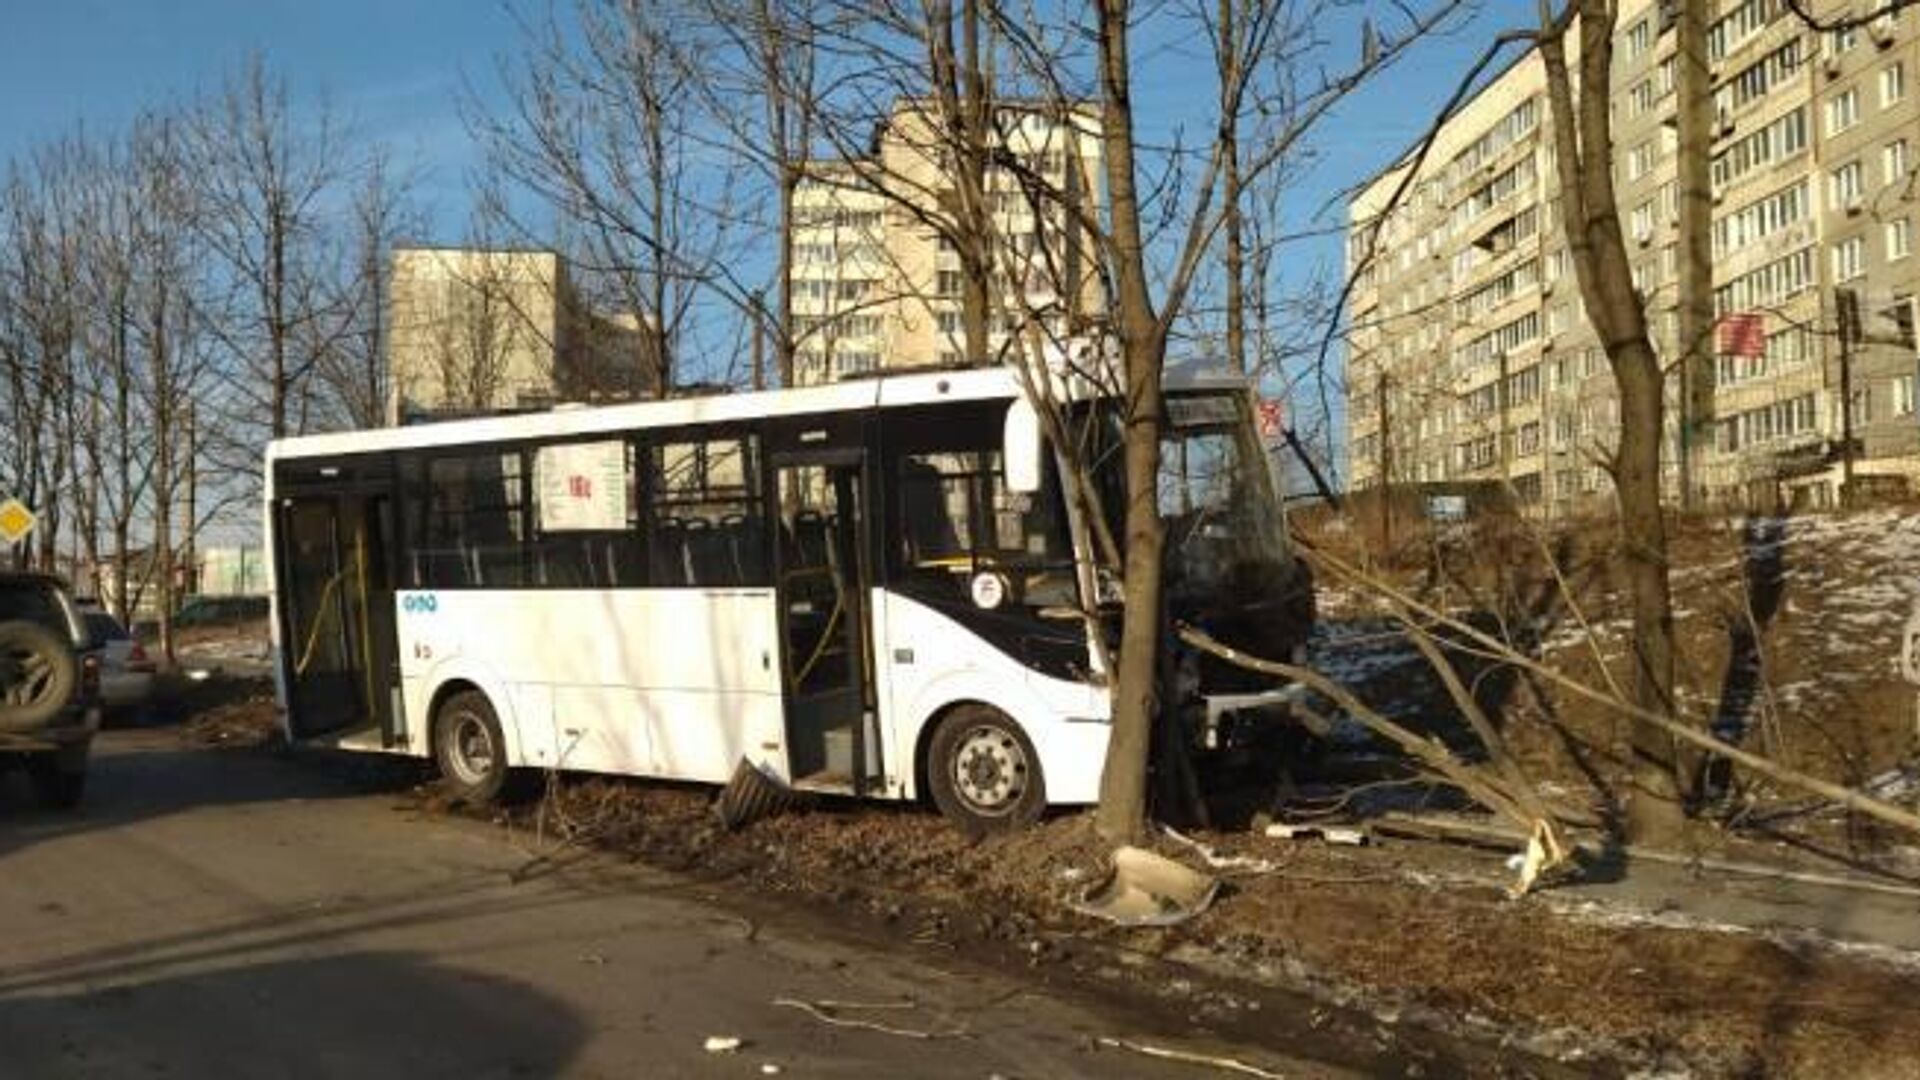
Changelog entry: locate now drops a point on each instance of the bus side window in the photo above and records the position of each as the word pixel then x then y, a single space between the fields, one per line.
pixel 475 528
pixel 706 518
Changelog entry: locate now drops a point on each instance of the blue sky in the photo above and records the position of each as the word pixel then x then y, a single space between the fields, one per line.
pixel 394 70
pixel 394 67
pixel 391 67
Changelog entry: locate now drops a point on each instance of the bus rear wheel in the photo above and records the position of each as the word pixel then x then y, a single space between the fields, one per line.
pixel 469 748
pixel 983 772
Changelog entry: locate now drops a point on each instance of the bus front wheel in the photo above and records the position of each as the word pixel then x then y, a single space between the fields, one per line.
pixel 468 746
pixel 983 772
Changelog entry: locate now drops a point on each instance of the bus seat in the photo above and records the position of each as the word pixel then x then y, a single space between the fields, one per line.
pixel 668 552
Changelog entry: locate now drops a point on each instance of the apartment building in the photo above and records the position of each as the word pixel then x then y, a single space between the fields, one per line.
pixel 490 330
pixel 876 282
pixel 1470 357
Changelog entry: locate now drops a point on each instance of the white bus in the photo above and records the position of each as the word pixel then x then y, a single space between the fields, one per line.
pixel 869 588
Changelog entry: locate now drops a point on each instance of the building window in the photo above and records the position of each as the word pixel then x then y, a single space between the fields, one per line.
pixel 1778 141
pixel 1899 239
pixel 1849 259
pixel 1641 158
pixel 1847 184
pixel 1893 84
pixel 1643 222
pixel 1843 112
pixel 1903 396
pixel 1639 38
pixel 1842 41
pixel 1893 161
pixel 1860 410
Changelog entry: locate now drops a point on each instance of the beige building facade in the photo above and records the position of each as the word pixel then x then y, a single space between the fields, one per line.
pixel 479 331
pixel 1470 357
pixel 876 282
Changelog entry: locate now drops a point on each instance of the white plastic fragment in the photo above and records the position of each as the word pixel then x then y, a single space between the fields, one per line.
pixel 1332 834
pixel 723 1044
pixel 768 1068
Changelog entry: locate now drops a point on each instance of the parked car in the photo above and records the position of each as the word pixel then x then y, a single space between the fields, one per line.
pixel 220 611
pixel 49 686
pixel 126 673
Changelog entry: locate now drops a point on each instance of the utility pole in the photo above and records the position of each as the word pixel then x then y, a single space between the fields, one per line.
pixel 1846 305
pixel 1693 89
pixel 1386 463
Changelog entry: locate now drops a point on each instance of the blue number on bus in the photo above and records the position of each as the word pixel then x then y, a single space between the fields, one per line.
pixel 421 604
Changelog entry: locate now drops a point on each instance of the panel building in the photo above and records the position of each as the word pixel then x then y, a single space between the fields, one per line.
pixel 478 331
pixel 1470 357
pixel 876 281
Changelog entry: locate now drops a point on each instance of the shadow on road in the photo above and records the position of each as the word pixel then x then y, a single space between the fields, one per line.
pixel 154 769
pixel 367 1014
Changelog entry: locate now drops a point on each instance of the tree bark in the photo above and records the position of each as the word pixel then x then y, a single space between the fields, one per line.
pixel 1123 782
pixel 1591 218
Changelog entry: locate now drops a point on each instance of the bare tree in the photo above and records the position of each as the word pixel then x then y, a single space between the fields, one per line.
pixel 42 335
pixel 263 175
pixel 355 370
pixel 1583 143
pixel 599 132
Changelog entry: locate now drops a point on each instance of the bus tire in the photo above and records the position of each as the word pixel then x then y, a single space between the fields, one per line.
pixel 983 773
pixel 469 749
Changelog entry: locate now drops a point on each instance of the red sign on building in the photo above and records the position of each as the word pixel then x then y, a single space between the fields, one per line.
pixel 1743 334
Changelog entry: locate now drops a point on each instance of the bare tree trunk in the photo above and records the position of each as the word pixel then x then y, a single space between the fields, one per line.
pixel 1591 217
pixel 1123 782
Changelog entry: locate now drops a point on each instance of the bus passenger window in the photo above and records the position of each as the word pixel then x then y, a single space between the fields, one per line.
pixel 474 530
pixel 586 516
pixel 706 525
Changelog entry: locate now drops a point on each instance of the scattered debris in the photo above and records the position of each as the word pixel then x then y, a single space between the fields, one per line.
pixel 768 1068
pixel 1544 852
pixel 1145 889
pixel 1332 834
pixel 1219 861
pixel 825 1013
pixel 752 794
pixel 1234 1065
pixel 724 1044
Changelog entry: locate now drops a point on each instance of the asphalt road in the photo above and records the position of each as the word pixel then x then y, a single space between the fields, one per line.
pixel 239 914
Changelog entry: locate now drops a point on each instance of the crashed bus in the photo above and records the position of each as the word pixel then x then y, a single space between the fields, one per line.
pixel 875 587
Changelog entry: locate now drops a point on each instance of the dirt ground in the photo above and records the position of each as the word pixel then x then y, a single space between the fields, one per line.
pixel 1421 934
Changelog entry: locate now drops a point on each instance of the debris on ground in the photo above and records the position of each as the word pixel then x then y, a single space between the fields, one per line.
pixel 752 794
pixel 724 1044
pixel 831 1013
pixel 1332 834
pixel 1188 1057
pixel 1146 889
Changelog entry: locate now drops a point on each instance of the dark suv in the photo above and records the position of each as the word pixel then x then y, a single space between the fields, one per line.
pixel 49 686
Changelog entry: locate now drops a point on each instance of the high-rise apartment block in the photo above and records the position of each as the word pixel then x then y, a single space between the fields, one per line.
pixel 876 282
pixel 1470 357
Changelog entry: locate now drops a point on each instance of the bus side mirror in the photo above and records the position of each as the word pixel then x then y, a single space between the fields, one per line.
pixel 1020 447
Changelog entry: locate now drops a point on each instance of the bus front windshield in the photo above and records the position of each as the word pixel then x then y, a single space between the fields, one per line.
pixel 1215 495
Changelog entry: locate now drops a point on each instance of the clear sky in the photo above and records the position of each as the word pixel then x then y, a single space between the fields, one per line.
pixel 391 67
pixel 394 69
